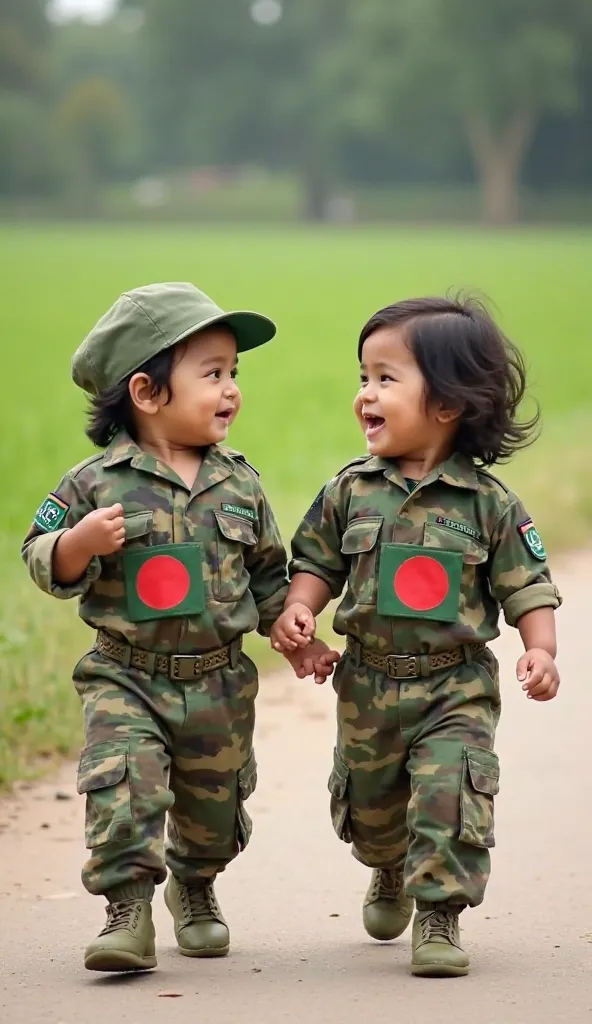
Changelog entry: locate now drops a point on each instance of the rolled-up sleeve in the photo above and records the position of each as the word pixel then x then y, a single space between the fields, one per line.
pixel 520 579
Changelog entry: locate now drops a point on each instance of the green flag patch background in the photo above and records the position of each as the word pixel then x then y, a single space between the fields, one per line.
pixel 164 581
pixel 419 583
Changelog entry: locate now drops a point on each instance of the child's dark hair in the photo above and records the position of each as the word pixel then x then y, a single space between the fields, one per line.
pixel 112 409
pixel 467 363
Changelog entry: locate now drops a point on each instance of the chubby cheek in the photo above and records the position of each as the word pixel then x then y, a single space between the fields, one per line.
pixel 238 401
pixel 358 408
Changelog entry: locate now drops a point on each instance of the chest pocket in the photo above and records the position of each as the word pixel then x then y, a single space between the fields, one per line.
pixel 360 545
pixel 234 535
pixel 446 539
pixel 137 525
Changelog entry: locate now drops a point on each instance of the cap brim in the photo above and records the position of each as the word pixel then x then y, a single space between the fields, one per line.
pixel 249 329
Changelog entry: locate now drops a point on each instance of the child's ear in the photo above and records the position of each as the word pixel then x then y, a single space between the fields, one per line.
pixel 444 415
pixel 142 394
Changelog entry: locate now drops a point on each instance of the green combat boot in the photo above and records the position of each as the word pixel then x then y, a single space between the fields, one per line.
pixel 387 910
pixel 127 940
pixel 200 928
pixel 437 952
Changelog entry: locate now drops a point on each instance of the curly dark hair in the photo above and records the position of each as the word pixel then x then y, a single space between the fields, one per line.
pixel 467 363
pixel 112 410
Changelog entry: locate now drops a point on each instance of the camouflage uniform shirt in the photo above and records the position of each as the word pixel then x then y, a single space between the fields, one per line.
pixel 456 507
pixel 244 564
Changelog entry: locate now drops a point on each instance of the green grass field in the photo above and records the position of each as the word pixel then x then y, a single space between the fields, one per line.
pixel 296 425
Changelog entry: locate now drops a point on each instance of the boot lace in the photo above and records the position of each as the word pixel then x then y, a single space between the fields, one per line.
pixel 387 885
pixel 198 902
pixel 122 915
pixel 439 925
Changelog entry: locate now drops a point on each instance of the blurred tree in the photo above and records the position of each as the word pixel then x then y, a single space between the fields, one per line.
pixel 25 144
pixel 494 67
pixel 92 118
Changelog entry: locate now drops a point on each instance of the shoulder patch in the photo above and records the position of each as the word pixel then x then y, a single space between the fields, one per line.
pixel 51 513
pixel 314 513
pixel 531 537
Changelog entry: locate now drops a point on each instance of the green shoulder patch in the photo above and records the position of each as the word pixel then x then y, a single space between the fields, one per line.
pixel 51 513
pixel 532 540
pixel 239 510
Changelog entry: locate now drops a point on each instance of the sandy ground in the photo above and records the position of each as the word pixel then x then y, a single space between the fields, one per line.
pixel 293 899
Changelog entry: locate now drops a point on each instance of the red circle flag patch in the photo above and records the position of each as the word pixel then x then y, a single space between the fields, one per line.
pixel 162 582
pixel 421 583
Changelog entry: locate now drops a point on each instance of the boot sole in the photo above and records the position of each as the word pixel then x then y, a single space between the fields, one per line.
pixel 108 960
pixel 204 953
pixel 438 971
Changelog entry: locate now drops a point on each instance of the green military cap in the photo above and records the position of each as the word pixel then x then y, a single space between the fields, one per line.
pixel 147 320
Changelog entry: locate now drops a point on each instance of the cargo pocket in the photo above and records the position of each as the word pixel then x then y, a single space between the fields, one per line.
pixel 247 781
pixel 359 543
pixel 479 785
pixel 338 788
pixel 103 775
pixel 234 534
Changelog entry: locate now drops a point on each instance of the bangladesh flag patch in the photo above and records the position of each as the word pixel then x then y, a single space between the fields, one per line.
pixel 531 537
pixel 51 513
pixel 419 583
pixel 164 581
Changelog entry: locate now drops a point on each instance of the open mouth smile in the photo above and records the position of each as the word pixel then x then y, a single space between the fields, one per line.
pixel 373 425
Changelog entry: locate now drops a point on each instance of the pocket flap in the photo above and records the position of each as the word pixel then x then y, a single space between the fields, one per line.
pixel 361 535
pixel 247 778
pixel 137 524
pixel 99 769
pixel 484 771
pixel 449 540
pixel 338 778
pixel 234 528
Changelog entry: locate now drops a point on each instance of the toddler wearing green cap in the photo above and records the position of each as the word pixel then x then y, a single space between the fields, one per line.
pixel 168 541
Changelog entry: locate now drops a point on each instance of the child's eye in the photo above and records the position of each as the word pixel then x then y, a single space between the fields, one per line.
pixel 384 378
pixel 234 373
pixel 363 379
pixel 214 374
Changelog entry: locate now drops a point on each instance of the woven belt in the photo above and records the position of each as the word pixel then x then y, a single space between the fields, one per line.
pixel 180 667
pixel 411 666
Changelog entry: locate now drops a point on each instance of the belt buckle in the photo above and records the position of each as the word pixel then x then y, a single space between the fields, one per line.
pixel 402 666
pixel 182 670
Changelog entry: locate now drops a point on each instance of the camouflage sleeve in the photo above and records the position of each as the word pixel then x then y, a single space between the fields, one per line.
pixel 266 564
pixel 316 545
pixel 519 576
pixel 60 511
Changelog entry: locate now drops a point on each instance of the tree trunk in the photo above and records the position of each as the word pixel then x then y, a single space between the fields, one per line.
pixel 498 158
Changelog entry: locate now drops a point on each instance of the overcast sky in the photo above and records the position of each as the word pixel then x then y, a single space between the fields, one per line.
pixel 93 9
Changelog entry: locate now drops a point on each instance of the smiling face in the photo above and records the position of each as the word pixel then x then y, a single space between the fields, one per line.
pixel 204 399
pixel 392 406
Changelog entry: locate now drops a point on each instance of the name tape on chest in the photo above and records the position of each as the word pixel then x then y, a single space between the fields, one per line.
pixel 164 581
pixel 51 513
pixel 239 510
pixel 453 524
pixel 532 540
pixel 419 583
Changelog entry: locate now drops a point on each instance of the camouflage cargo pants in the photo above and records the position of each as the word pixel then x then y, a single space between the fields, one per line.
pixel 415 775
pixel 154 746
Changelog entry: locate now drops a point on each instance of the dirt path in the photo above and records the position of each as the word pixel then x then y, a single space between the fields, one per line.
pixel 293 899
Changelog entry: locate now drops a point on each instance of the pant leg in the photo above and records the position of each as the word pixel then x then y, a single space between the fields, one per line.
pixel 369 784
pixel 123 771
pixel 213 772
pixel 454 777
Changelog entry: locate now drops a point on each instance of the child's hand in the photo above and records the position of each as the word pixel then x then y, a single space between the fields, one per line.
pixel 315 659
pixel 538 671
pixel 101 532
pixel 295 628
